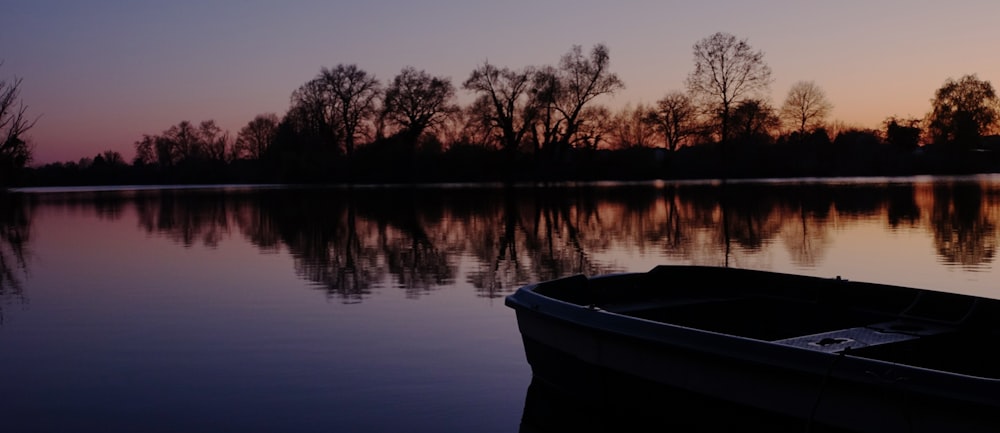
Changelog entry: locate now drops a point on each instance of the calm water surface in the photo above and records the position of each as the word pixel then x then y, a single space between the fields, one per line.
pixel 381 309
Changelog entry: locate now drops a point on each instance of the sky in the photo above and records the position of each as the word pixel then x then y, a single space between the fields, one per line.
pixel 101 73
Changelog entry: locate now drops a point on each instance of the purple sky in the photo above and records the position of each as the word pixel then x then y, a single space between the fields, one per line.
pixel 101 73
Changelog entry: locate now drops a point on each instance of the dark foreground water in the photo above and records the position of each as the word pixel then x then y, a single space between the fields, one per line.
pixel 381 309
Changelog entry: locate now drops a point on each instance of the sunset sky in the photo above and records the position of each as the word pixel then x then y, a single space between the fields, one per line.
pixel 101 73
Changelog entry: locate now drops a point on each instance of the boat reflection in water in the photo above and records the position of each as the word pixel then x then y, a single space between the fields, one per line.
pixel 633 406
pixel 821 352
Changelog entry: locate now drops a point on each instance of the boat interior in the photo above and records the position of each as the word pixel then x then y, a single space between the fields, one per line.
pixel 929 329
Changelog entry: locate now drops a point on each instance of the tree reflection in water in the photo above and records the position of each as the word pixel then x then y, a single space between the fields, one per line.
pixel 15 233
pixel 965 230
pixel 350 241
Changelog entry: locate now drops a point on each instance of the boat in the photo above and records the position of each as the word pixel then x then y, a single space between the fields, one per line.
pixel 825 352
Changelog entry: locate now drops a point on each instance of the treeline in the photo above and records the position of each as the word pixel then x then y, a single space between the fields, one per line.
pixel 541 123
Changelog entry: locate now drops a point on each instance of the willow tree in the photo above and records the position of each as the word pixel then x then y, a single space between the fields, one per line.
pixel 727 71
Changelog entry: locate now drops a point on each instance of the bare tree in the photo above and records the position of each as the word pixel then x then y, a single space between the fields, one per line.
pixel 805 107
pixel 415 101
pixel 212 140
pixel 595 124
pixel 629 127
pixel 113 158
pixel 504 102
pixel 582 79
pixel 254 138
pixel 675 118
pixel 145 151
pixel 15 153
pixel 727 71
pixel 183 142
pixel 560 94
pixel 313 115
pixel 545 90
pixel 466 127
pixel 353 94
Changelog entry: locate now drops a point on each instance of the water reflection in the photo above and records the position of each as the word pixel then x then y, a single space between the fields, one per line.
pixel 186 217
pixel 639 407
pixel 964 226
pixel 348 241
pixel 15 233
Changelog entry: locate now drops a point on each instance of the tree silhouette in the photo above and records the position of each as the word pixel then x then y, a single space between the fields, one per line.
pixel 183 143
pixel 254 138
pixel 630 128
pixel 353 94
pixel 415 101
pixel 595 125
pixel 727 71
pixel 675 118
pixel 805 107
pixel 15 152
pixel 963 110
pixel 504 102
pixel 146 151
pixel 313 116
pixel 545 90
pixel 581 79
pixel 902 133
pixel 753 119
pixel 420 134
pixel 213 140
pixel 113 158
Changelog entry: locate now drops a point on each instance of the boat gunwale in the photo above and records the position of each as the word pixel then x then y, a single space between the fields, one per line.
pixel 932 381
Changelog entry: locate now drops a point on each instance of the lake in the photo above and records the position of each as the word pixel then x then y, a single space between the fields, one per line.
pixel 379 308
